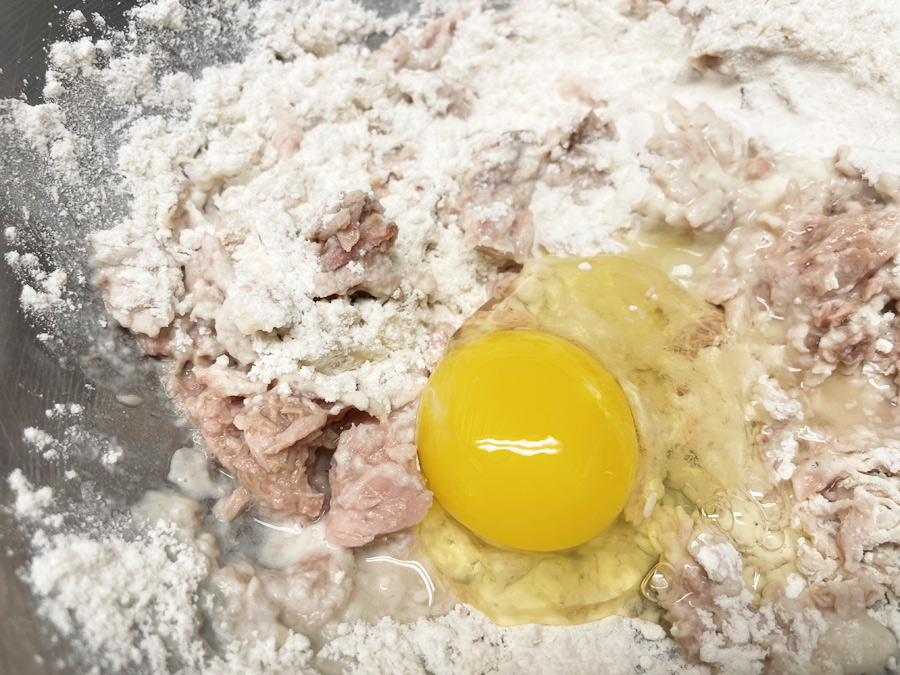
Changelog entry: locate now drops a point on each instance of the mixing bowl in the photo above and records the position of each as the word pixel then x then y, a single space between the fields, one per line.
pixel 33 375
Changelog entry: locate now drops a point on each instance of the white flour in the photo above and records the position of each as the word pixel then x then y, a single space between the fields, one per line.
pixel 29 503
pixel 801 77
pixel 798 75
pixel 466 642
pixel 41 291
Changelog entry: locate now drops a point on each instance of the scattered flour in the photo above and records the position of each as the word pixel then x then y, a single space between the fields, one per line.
pixel 42 292
pixel 113 455
pixel 146 606
pixel 63 410
pixel 775 401
pixel 465 642
pixel 29 503
pixel 721 561
pixel 683 271
pixel 163 14
pixel 76 18
pixel 48 295
pixel 37 438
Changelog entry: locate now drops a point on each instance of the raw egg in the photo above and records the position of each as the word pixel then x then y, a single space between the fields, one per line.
pixel 527 440
pixel 573 429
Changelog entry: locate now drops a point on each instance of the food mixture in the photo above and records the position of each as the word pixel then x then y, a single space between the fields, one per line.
pixel 316 219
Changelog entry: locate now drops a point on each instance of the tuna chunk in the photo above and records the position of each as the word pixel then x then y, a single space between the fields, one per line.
pixel 700 182
pixel 355 243
pixel 423 53
pixel 572 159
pixel 272 423
pixel 715 618
pixel 847 485
pixel 268 442
pixel 835 269
pixel 277 444
pixel 833 253
pixel 376 487
pixel 495 194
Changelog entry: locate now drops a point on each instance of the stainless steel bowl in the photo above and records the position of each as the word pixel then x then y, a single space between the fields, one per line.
pixel 34 375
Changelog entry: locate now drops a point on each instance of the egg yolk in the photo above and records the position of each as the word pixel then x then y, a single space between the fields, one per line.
pixel 527 440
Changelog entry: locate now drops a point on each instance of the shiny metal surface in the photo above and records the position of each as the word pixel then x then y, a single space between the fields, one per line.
pixel 31 376
pixel 85 363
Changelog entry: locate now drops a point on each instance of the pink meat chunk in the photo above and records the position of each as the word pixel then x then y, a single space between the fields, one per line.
pixel 424 53
pixel 267 441
pixel 355 243
pixel 572 160
pixel 836 267
pixel 495 194
pixel 273 423
pixel 376 487
pixel 834 253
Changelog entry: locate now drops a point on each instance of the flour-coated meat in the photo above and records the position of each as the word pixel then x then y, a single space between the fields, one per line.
pixel 376 487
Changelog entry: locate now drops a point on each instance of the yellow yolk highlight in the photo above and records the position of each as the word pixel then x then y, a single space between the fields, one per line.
pixel 527 440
